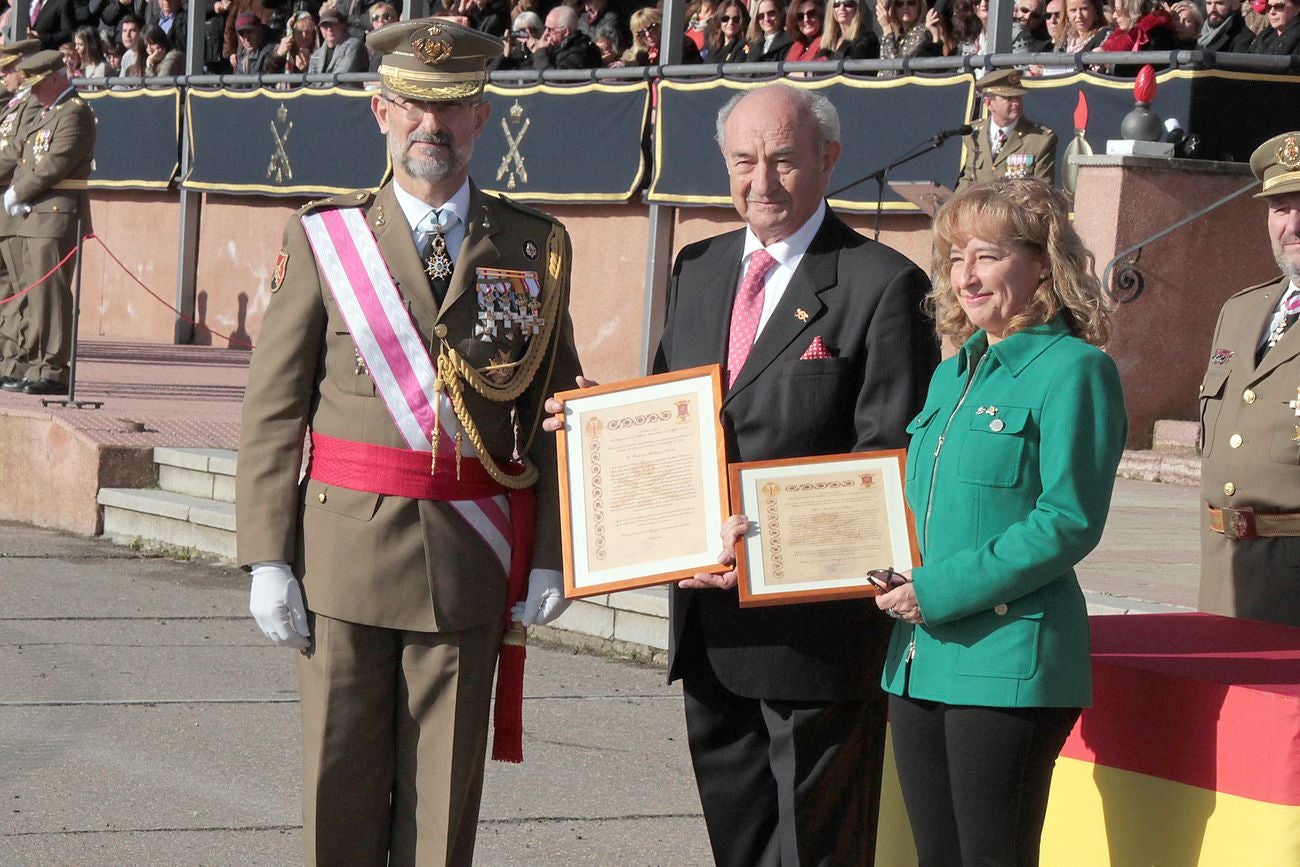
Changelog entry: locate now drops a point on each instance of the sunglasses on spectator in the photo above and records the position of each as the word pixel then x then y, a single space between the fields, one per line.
pixel 845 4
pixel 1027 12
pixel 729 19
pixel 1053 16
pixel 646 31
pixel 811 15
pixel 1277 7
pixel 383 16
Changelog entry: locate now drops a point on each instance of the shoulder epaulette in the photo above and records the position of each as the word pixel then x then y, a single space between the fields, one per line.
pixel 522 208
pixel 354 199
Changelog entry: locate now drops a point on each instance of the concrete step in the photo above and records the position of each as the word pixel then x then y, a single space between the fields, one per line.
pixel 1155 466
pixel 205 473
pixel 1176 437
pixel 160 518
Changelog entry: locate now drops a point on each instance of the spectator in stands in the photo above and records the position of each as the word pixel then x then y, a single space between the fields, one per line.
pixel 607 43
pixel 488 16
pixel 1140 25
pixel 728 33
pixel 90 53
pixel 106 16
pixel 1085 24
pixel 1282 35
pixel 768 41
pixel 381 14
pixel 595 15
pixel 698 16
pixel 215 60
pixel 803 24
pixel 71 60
pixel 849 35
pixel 903 31
pixel 132 44
pixel 968 25
pixel 171 16
pixel 250 59
pixel 294 52
pixel 943 39
pixel 519 45
pixel 647 31
pixel 1225 29
pixel 52 22
pixel 161 56
pixel 1029 33
pixel 1187 22
pixel 338 52
pixel 1056 27
pixel 238 8
pixel 563 45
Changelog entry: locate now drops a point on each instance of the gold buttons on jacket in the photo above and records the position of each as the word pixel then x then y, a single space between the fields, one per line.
pixel 1248 396
pixel 1235 441
pixel 321 496
pixel 440 330
pixel 1000 608
pixel 1229 488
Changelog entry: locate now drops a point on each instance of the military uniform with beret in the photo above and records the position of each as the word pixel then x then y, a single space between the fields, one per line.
pixel 14 117
pixel 406 600
pixel 1030 148
pixel 1250 437
pixel 49 183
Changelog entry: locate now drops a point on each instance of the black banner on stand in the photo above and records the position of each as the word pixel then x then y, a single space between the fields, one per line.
pixel 137 138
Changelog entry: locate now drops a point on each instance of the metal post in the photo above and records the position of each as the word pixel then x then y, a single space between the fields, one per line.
pixel 18 20
pixel 191 204
pixel 1000 18
pixel 71 400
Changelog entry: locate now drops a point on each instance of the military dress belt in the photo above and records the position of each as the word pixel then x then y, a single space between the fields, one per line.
pixel 398 472
pixel 1248 524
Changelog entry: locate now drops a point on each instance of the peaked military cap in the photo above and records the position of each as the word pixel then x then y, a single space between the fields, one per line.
pixel 1277 163
pixel 13 51
pixel 431 58
pixel 42 63
pixel 1004 82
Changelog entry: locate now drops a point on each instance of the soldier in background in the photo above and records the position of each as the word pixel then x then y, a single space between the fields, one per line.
pixel 1005 142
pixel 1250 422
pixel 426 317
pixel 18 111
pixel 47 197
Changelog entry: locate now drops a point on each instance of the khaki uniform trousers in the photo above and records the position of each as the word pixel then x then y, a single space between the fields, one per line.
pixel 38 333
pixel 395 728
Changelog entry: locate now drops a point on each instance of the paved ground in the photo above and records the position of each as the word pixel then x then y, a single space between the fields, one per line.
pixel 143 720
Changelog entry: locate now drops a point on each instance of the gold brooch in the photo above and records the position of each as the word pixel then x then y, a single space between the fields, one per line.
pixel 433 47
pixel 1288 153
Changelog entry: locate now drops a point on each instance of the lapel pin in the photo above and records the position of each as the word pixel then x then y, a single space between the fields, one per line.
pixel 379 217
pixel 801 314
pixel 530 249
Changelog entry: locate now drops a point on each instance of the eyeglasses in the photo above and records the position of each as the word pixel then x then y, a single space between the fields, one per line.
pixel 1278 7
pixel 811 15
pixel 416 109
pixel 1053 16
pixel 730 19
pixel 845 4
pixel 646 31
pixel 383 16
pixel 762 16
pixel 1028 12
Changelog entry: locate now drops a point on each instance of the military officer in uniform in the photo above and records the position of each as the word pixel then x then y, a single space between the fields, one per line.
pixel 1005 142
pixel 17 111
pixel 47 196
pixel 1250 422
pixel 414 333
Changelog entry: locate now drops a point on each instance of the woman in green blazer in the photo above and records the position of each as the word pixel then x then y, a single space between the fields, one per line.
pixel 1009 474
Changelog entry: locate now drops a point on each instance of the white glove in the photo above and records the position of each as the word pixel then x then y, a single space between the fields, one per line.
pixel 14 207
pixel 545 600
pixel 276 604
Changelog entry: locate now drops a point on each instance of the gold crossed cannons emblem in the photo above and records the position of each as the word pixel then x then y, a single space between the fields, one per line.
pixel 512 163
pixel 280 169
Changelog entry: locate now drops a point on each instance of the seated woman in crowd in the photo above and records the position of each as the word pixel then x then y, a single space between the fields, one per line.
pixel 293 52
pixel 520 42
pixel 768 41
pixel 1282 35
pixel 647 27
pixel 1188 21
pixel 903 31
pixel 968 25
pixel 90 52
pixel 161 57
pixel 803 24
pixel 942 37
pixel 1085 24
pixel 1009 475
pixel 606 42
pixel 698 16
pixel 1140 25
pixel 728 33
pixel 848 35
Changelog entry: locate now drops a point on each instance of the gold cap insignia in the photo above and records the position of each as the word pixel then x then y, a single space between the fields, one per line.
pixel 434 46
pixel 1288 152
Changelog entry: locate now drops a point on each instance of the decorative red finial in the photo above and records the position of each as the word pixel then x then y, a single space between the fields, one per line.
pixel 1081 113
pixel 1144 87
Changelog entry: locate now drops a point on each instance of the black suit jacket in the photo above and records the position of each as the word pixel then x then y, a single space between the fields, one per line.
pixel 864 300
pixel 55 24
pixel 1236 36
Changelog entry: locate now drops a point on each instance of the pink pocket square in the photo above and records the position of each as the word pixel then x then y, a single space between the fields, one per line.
pixel 815 350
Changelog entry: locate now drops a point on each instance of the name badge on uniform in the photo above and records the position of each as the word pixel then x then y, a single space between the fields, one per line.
pixel 507 299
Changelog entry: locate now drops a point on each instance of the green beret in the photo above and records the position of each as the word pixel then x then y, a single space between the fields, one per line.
pixel 432 58
pixel 1277 164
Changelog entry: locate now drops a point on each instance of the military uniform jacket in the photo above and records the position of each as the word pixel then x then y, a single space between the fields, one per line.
pixel 1027 140
pixel 13 120
pixel 58 152
pixel 384 560
pixel 1251 458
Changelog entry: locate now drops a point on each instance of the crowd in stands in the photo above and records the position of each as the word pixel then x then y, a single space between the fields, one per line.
pixel 102 38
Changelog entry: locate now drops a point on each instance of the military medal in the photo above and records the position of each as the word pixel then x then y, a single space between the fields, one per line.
pixel 507 299
pixel 438 264
pixel 41 144
pixel 1221 356
pixel 530 249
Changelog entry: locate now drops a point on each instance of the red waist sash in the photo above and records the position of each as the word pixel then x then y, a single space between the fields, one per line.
pixel 398 472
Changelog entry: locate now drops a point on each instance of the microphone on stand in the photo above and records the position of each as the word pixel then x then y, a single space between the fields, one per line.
pixel 947 134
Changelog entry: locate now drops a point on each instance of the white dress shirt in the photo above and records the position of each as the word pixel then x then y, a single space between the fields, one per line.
pixel 416 210
pixel 1279 313
pixel 788 253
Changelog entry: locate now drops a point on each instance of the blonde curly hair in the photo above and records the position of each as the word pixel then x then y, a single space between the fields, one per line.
pixel 1028 213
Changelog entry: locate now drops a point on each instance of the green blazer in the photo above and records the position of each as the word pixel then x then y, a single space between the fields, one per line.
pixel 1010 481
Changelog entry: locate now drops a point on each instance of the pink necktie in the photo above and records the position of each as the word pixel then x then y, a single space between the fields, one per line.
pixel 36 10
pixel 745 313
pixel 999 142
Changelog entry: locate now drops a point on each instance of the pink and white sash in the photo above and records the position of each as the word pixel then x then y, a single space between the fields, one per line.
pixel 394 352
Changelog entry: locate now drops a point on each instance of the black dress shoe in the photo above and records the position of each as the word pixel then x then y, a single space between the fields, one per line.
pixel 44 386
pixel 11 383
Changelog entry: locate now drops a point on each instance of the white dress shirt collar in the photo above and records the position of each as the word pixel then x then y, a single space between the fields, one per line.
pixel 416 210
pixel 788 253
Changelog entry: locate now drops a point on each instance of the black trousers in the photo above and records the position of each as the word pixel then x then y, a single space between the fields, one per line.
pixel 975 780
pixel 788 783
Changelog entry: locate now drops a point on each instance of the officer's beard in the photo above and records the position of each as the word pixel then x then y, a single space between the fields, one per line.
pixel 1289 262
pixel 430 169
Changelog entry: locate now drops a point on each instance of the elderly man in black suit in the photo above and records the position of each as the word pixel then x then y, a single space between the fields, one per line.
pixel 825 349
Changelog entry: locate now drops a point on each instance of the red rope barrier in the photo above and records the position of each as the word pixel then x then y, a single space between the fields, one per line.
pixel 48 275
pixel 233 340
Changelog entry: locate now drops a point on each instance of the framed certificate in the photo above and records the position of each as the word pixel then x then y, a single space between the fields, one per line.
pixel 818 525
pixel 643 481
